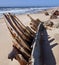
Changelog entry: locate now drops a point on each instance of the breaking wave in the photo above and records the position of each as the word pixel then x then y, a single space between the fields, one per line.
pixel 21 10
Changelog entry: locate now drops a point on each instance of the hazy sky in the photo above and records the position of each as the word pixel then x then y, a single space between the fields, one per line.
pixel 29 3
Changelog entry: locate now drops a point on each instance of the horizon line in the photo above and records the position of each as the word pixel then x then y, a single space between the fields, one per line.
pixel 28 6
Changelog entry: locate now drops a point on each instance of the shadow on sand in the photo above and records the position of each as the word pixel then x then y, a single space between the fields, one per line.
pixel 47 53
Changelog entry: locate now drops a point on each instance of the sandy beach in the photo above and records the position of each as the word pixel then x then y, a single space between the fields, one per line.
pixel 6 38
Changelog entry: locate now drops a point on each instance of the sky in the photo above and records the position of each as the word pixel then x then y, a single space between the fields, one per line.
pixel 7 3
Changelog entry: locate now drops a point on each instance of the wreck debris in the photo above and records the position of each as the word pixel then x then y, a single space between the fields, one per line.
pixel 48 23
pixel 36 52
pixel 29 31
pixel 54 15
pixel 34 23
pixel 46 13
pixel 22 50
pixel 13 32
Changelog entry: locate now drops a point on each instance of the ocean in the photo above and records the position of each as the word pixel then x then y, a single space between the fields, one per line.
pixel 21 10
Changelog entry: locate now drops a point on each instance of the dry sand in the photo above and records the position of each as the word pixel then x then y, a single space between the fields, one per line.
pixel 6 38
pixel 5 45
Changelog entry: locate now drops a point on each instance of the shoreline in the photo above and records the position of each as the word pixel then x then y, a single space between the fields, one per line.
pixel 36 12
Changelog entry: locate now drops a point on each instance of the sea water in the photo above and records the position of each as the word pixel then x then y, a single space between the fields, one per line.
pixel 21 10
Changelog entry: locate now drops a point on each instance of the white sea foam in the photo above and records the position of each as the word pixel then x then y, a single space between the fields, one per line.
pixel 21 10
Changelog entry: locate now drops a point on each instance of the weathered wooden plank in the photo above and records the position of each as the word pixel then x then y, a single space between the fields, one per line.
pixel 29 31
pixel 34 23
pixel 20 33
pixel 21 60
pixel 16 35
pixel 30 39
pixel 23 28
pixel 15 44
pixel 16 29
pixel 26 57
pixel 18 56
pixel 23 55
